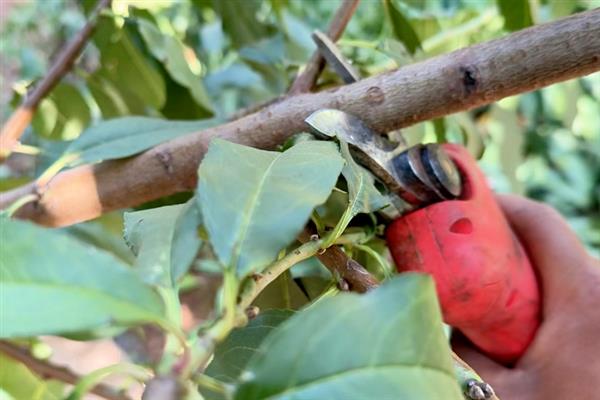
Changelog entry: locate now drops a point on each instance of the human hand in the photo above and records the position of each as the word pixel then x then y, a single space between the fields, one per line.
pixel 563 361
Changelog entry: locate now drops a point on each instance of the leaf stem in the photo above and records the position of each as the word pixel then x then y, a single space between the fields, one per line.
pixel 261 281
pixel 339 228
pixel 55 168
pixel 14 207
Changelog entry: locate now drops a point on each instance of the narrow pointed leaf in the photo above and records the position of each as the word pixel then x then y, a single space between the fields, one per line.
pixel 123 137
pixel 125 65
pixel 171 52
pixel 402 28
pixel 18 382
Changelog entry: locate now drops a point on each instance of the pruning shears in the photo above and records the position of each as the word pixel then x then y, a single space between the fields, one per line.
pixel 449 225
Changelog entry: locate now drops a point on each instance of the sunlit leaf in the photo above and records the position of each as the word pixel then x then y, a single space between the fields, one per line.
pixel 112 101
pixel 54 284
pixel 125 65
pixel 171 52
pixel 63 114
pixel 18 382
pixel 388 343
pixel 254 202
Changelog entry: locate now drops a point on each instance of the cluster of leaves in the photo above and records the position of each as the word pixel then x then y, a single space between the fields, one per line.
pixel 249 211
pixel 197 62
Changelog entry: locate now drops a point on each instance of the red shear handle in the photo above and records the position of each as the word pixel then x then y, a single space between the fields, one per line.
pixel 485 282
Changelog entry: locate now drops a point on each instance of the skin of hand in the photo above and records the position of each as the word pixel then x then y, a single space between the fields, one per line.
pixel 563 361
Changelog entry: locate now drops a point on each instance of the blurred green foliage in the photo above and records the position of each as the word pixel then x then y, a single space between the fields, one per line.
pixel 191 59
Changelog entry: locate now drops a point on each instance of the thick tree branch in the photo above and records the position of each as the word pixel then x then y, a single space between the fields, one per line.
pixel 307 79
pixel 49 371
pixel 458 81
pixel 20 119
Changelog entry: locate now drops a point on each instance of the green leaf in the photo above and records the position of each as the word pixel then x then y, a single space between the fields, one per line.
pixel 151 235
pixel 170 51
pixel 240 21
pixel 387 344
pixel 186 241
pixel 363 195
pixel 112 101
pixel 123 137
pixel 401 27
pixel 254 202
pixel 233 354
pixel 282 293
pixel 125 65
pixel 18 382
pixel 63 114
pixel 517 14
pixel 96 234
pixel 53 284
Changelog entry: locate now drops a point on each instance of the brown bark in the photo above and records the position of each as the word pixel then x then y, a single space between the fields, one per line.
pixel 21 118
pixel 458 81
pixel 49 371
pixel 355 275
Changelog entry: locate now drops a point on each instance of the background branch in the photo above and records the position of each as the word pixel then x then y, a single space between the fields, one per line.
pixel 308 77
pixel 458 81
pixel 21 117
pixel 47 370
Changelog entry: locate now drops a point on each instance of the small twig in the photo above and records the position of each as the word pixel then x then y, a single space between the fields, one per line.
pixel 48 370
pixel 307 78
pixel 21 117
pixel 358 278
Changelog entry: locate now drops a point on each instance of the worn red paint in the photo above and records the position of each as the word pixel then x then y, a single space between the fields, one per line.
pixel 485 283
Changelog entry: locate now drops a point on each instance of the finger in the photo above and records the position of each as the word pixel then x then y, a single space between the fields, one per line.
pixel 553 248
